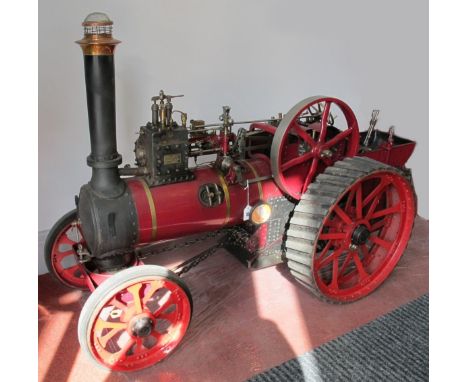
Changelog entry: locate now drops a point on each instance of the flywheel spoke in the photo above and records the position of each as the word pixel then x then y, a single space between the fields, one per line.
pixel 338 138
pixel 324 122
pixel 296 161
pixel 310 174
pixel 303 134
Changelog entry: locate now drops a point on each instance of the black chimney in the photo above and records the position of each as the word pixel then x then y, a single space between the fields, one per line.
pixel 98 52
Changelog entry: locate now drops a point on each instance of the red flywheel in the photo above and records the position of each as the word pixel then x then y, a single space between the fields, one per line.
pixel 306 142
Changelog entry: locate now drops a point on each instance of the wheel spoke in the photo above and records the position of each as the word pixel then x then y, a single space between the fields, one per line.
pixel 108 336
pixel 61 255
pixel 359 201
pixel 310 174
pixel 375 192
pixel 335 271
pixel 169 316
pixel 324 122
pixel 70 273
pixel 103 324
pixel 155 285
pixel 349 201
pixel 122 353
pixel 360 267
pixel 135 291
pixel 374 204
pixel 381 223
pixel 329 259
pixel 387 211
pixel 337 209
pixel 324 252
pixel 139 348
pixel 165 302
pixel 341 136
pixel 345 263
pixel 332 236
pixel 304 136
pixel 296 161
pixel 126 310
pixel 383 243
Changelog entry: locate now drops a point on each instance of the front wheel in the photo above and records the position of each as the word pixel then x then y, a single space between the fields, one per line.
pixel 350 229
pixel 60 251
pixel 135 318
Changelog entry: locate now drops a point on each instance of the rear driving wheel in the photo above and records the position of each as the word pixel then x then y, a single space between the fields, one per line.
pixel 60 251
pixel 350 229
pixel 135 318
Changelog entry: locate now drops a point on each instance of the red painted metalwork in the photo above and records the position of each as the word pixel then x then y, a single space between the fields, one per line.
pixel 94 279
pixel 294 172
pixel 263 126
pixel 63 257
pixel 112 337
pixel 174 210
pixel 384 204
pixel 395 155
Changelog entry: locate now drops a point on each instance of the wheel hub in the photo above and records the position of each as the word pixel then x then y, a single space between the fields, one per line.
pixel 142 326
pixel 360 235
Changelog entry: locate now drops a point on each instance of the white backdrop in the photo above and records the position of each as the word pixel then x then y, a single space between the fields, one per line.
pixel 259 57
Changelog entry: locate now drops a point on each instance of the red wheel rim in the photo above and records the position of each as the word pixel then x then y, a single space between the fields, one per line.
pixel 381 205
pixel 302 147
pixel 114 337
pixel 63 257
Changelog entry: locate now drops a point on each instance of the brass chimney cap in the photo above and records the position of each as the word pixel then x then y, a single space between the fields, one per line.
pixel 97 18
pixel 97 40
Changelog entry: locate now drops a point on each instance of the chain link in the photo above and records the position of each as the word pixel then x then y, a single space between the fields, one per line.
pixel 234 235
pixel 195 260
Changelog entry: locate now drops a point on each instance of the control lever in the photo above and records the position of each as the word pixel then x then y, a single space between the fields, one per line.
pixel 370 130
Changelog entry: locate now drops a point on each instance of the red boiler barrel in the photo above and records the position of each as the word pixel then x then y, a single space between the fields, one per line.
pixel 175 210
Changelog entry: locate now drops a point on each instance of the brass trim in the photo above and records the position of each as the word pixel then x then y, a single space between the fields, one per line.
pixel 98 45
pixel 149 197
pixel 259 184
pixel 226 197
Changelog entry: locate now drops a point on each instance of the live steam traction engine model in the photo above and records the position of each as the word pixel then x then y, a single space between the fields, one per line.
pixel 335 204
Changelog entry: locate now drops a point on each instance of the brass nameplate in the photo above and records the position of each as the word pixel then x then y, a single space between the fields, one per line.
pixel 172 159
